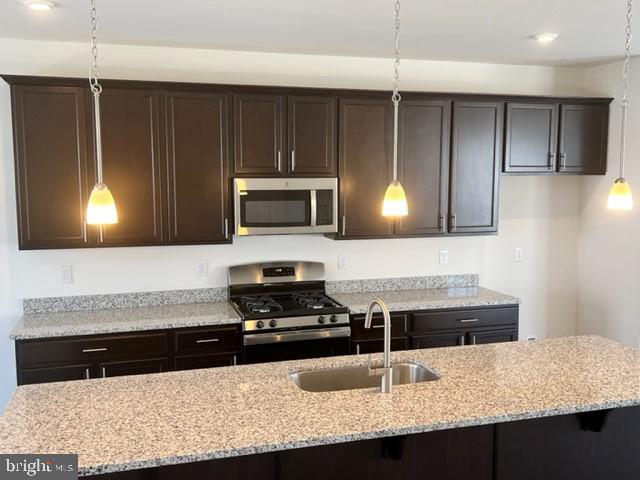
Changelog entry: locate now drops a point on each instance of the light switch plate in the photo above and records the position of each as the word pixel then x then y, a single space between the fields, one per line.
pixel 202 267
pixel 65 274
pixel 518 254
pixel 443 257
pixel 343 262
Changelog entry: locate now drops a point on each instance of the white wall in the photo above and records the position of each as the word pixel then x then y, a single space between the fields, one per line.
pixel 537 213
pixel 609 242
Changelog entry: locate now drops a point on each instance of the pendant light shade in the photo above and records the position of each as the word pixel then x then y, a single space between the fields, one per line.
pixel 620 197
pixel 101 209
pixel 395 201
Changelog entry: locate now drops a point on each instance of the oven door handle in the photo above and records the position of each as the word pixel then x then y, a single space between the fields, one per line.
pixel 282 337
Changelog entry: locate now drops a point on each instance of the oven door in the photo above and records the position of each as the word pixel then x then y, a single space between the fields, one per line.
pixel 296 345
pixel 266 206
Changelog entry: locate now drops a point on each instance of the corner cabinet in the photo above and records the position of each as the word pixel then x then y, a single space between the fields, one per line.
pixel 556 138
pixel 291 135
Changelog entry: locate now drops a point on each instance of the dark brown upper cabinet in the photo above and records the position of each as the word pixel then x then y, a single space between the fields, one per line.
pixel 259 134
pixel 312 136
pixel 197 157
pixel 476 151
pixel 423 153
pixel 261 147
pixel 556 138
pixel 365 140
pixel 531 137
pixel 132 146
pixel 583 139
pixel 51 165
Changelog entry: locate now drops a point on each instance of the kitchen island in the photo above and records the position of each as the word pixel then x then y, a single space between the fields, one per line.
pixel 516 410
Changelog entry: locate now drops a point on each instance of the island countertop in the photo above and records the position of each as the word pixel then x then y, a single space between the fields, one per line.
pixel 427 299
pixel 132 422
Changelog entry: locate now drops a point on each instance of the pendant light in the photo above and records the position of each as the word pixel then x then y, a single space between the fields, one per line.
pixel 101 209
pixel 620 197
pixel 395 200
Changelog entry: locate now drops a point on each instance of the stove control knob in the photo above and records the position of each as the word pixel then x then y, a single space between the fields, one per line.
pixel 321 319
pixel 273 323
pixel 259 324
pixel 333 319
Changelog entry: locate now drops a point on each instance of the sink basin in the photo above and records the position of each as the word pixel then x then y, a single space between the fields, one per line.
pixel 351 378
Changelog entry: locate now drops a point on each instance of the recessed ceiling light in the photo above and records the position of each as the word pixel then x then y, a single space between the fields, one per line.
pixel 545 38
pixel 40 5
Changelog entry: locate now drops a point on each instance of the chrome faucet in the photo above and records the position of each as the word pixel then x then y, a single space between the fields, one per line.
pixel 387 371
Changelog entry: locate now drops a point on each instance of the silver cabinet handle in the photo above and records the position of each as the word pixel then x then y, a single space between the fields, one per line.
pixel 473 339
pixel 293 160
pixel 91 350
pixel 314 207
pixel 226 228
pixel 344 224
pixel 87 374
pixel 279 161
pixel 235 360
pixel 208 340
pixel 377 326
pixel 357 349
pixel 104 372
pixel 462 340
pixel 469 320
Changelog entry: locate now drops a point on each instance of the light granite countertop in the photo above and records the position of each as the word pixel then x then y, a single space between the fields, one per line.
pixel 427 299
pixel 92 322
pixel 132 422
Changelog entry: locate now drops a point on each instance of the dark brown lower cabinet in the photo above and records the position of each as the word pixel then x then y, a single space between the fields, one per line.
pixel 192 362
pixel 599 445
pixel 375 346
pixel 54 374
pixel 492 336
pixel 449 339
pixel 133 367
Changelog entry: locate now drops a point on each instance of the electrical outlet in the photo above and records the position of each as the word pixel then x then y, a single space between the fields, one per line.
pixel 532 338
pixel 343 262
pixel 518 254
pixel 443 257
pixel 202 268
pixel 65 274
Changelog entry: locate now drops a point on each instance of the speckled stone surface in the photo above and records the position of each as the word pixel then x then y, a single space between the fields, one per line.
pixel 402 283
pixel 125 423
pixel 122 300
pixel 63 324
pixel 427 299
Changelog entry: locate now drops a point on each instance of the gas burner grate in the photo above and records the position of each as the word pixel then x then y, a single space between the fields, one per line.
pixel 313 300
pixel 261 304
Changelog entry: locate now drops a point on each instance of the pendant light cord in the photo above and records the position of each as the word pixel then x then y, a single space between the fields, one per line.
pixel 96 88
pixel 396 96
pixel 625 95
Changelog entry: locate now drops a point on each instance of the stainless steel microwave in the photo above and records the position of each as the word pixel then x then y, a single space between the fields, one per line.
pixel 268 206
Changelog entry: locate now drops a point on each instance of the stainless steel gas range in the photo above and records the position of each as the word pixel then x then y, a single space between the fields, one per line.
pixel 286 312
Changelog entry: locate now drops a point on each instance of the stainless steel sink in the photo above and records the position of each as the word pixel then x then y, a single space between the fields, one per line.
pixel 351 378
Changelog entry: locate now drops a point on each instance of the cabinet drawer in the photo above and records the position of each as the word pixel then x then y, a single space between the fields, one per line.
pixel 192 362
pixel 208 340
pixel 133 367
pixel 90 348
pixel 54 374
pixel 456 319
pixel 375 346
pixel 399 324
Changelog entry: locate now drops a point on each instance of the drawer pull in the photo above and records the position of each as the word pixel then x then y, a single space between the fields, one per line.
pixel 462 340
pixel 208 340
pixel 357 349
pixel 87 374
pixel 378 326
pixel 92 350
pixel 469 320
pixel 104 372
pixel 473 339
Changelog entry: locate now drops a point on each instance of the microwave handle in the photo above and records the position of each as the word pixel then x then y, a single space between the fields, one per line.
pixel 314 208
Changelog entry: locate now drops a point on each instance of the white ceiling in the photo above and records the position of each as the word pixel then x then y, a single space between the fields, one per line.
pixel 591 31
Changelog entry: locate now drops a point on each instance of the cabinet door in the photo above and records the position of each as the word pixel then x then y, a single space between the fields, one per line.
pixel 530 144
pixel 132 150
pixel 197 155
pixel 492 336
pixel 133 367
pixel 366 136
pixel 51 166
pixel 192 362
pixel 450 339
pixel 312 135
pixel 422 168
pixel 258 134
pixel 62 373
pixel 583 138
pixel 375 346
pixel 476 148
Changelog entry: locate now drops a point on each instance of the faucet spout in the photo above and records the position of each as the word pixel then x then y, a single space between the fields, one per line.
pixel 387 376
